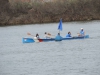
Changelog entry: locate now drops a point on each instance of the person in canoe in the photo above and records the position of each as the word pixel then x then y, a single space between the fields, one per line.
pixel 37 36
pixel 58 37
pixel 69 34
pixel 47 35
pixel 82 33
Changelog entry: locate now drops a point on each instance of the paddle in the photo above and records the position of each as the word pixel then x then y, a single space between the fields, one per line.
pixel 35 38
pixel 50 35
pixel 30 34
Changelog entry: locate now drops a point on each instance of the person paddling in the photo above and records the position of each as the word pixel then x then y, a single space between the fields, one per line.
pixel 37 36
pixel 47 35
pixel 82 33
pixel 69 34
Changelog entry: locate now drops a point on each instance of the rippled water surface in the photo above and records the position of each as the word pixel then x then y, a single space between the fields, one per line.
pixel 69 57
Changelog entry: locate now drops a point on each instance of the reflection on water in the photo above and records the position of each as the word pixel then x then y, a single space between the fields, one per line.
pixel 69 57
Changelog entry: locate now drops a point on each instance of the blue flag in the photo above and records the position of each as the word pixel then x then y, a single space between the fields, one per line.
pixel 60 25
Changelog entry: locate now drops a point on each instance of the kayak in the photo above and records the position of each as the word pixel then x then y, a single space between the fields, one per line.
pixel 32 40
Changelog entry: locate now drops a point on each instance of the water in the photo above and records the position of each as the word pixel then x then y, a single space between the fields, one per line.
pixel 69 57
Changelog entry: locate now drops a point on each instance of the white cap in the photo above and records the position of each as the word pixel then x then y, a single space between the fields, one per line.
pixel 81 28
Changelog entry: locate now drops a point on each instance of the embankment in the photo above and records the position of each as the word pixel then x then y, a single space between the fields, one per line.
pixel 14 13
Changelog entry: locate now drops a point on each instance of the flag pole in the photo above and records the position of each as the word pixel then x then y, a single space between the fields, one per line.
pixel 60 25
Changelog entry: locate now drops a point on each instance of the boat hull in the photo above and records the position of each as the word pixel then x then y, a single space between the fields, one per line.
pixel 28 40
pixel 76 37
pixel 31 40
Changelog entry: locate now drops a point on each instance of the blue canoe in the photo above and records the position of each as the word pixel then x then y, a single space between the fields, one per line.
pixel 31 40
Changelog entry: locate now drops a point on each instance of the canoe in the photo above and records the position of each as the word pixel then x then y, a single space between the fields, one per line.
pixel 31 40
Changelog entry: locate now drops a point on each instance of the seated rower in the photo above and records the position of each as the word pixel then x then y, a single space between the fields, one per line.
pixel 82 33
pixel 58 37
pixel 47 35
pixel 37 36
pixel 69 34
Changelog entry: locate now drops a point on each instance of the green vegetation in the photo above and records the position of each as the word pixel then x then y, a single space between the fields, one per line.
pixel 36 12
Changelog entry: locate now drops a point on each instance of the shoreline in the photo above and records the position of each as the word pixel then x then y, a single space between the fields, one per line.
pixel 45 23
pixel 16 13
